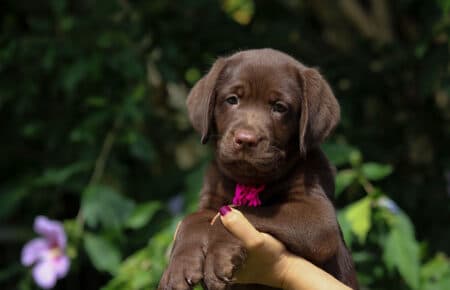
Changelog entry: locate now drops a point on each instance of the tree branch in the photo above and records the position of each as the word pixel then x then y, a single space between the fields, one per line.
pixel 375 25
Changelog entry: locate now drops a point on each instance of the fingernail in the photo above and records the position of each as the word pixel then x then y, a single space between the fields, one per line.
pixel 224 210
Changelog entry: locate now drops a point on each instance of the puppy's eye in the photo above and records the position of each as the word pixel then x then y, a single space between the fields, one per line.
pixel 279 107
pixel 232 100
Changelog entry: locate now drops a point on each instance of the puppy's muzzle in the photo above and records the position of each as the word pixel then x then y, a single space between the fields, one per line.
pixel 245 139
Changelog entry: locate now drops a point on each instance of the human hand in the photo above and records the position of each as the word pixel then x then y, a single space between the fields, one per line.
pixel 267 258
pixel 268 261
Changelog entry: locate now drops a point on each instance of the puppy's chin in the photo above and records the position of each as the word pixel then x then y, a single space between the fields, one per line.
pixel 248 168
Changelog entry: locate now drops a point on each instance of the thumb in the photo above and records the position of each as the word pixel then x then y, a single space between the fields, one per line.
pixel 236 223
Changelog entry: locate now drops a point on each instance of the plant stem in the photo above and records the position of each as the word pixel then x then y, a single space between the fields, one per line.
pixel 99 167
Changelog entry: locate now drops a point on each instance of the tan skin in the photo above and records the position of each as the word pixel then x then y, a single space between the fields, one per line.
pixel 269 263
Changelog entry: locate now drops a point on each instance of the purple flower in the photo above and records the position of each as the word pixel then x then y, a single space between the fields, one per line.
pixel 388 204
pixel 47 253
pixel 176 204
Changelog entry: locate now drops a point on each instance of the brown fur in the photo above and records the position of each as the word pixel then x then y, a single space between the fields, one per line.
pixel 269 134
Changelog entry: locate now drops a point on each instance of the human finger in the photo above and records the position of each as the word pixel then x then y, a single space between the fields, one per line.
pixel 235 222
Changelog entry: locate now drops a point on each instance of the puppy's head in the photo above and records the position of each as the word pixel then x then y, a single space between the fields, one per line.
pixel 263 110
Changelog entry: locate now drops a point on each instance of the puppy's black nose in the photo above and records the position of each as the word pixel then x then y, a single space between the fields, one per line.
pixel 245 138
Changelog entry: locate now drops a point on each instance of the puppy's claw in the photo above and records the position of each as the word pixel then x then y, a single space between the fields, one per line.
pixel 227 280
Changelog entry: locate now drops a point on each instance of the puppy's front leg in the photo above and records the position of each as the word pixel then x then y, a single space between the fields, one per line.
pixel 307 226
pixel 224 257
pixel 188 253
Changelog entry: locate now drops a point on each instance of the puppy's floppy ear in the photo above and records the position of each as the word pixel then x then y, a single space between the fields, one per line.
pixel 201 101
pixel 320 110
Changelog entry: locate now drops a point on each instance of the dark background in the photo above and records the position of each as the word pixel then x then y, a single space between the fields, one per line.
pixel 94 129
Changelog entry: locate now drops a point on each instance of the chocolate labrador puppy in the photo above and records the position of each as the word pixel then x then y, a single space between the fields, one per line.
pixel 266 115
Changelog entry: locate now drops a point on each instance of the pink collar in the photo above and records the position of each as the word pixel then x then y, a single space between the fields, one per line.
pixel 247 195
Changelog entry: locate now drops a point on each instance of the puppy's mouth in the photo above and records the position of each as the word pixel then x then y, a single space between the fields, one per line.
pixel 250 166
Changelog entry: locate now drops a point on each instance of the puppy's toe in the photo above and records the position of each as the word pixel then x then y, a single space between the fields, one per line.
pixel 217 273
pixel 178 282
pixel 163 283
pixel 181 276
pixel 220 266
pixel 193 276
pixel 212 282
pixel 174 282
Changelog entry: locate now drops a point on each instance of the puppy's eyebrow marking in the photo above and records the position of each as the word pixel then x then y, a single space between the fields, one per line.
pixel 236 88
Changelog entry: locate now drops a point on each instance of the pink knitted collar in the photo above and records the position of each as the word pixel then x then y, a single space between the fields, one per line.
pixel 247 195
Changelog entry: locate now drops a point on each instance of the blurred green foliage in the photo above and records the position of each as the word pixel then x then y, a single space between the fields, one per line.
pixel 95 133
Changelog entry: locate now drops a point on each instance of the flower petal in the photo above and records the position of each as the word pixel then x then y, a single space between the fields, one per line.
pixel 51 230
pixel 44 274
pixel 61 265
pixel 33 250
pixel 176 204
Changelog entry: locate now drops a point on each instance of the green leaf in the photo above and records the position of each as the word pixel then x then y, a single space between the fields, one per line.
pixel 143 269
pixel 142 214
pixel 376 171
pixel 403 224
pixel 130 274
pixel 58 6
pixel 240 10
pixel 345 228
pixel 104 255
pixel 11 197
pixel 402 252
pixel 103 204
pixel 445 5
pixel 57 176
pixel 441 284
pixel 141 148
pixel 355 158
pixel 192 75
pixel 96 101
pixel 339 154
pixel 436 268
pixel 74 74
pixel 358 215
pixel 343 179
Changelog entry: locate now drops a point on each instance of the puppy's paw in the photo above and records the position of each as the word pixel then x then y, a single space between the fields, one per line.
pixel 222 262
pixel 184 271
